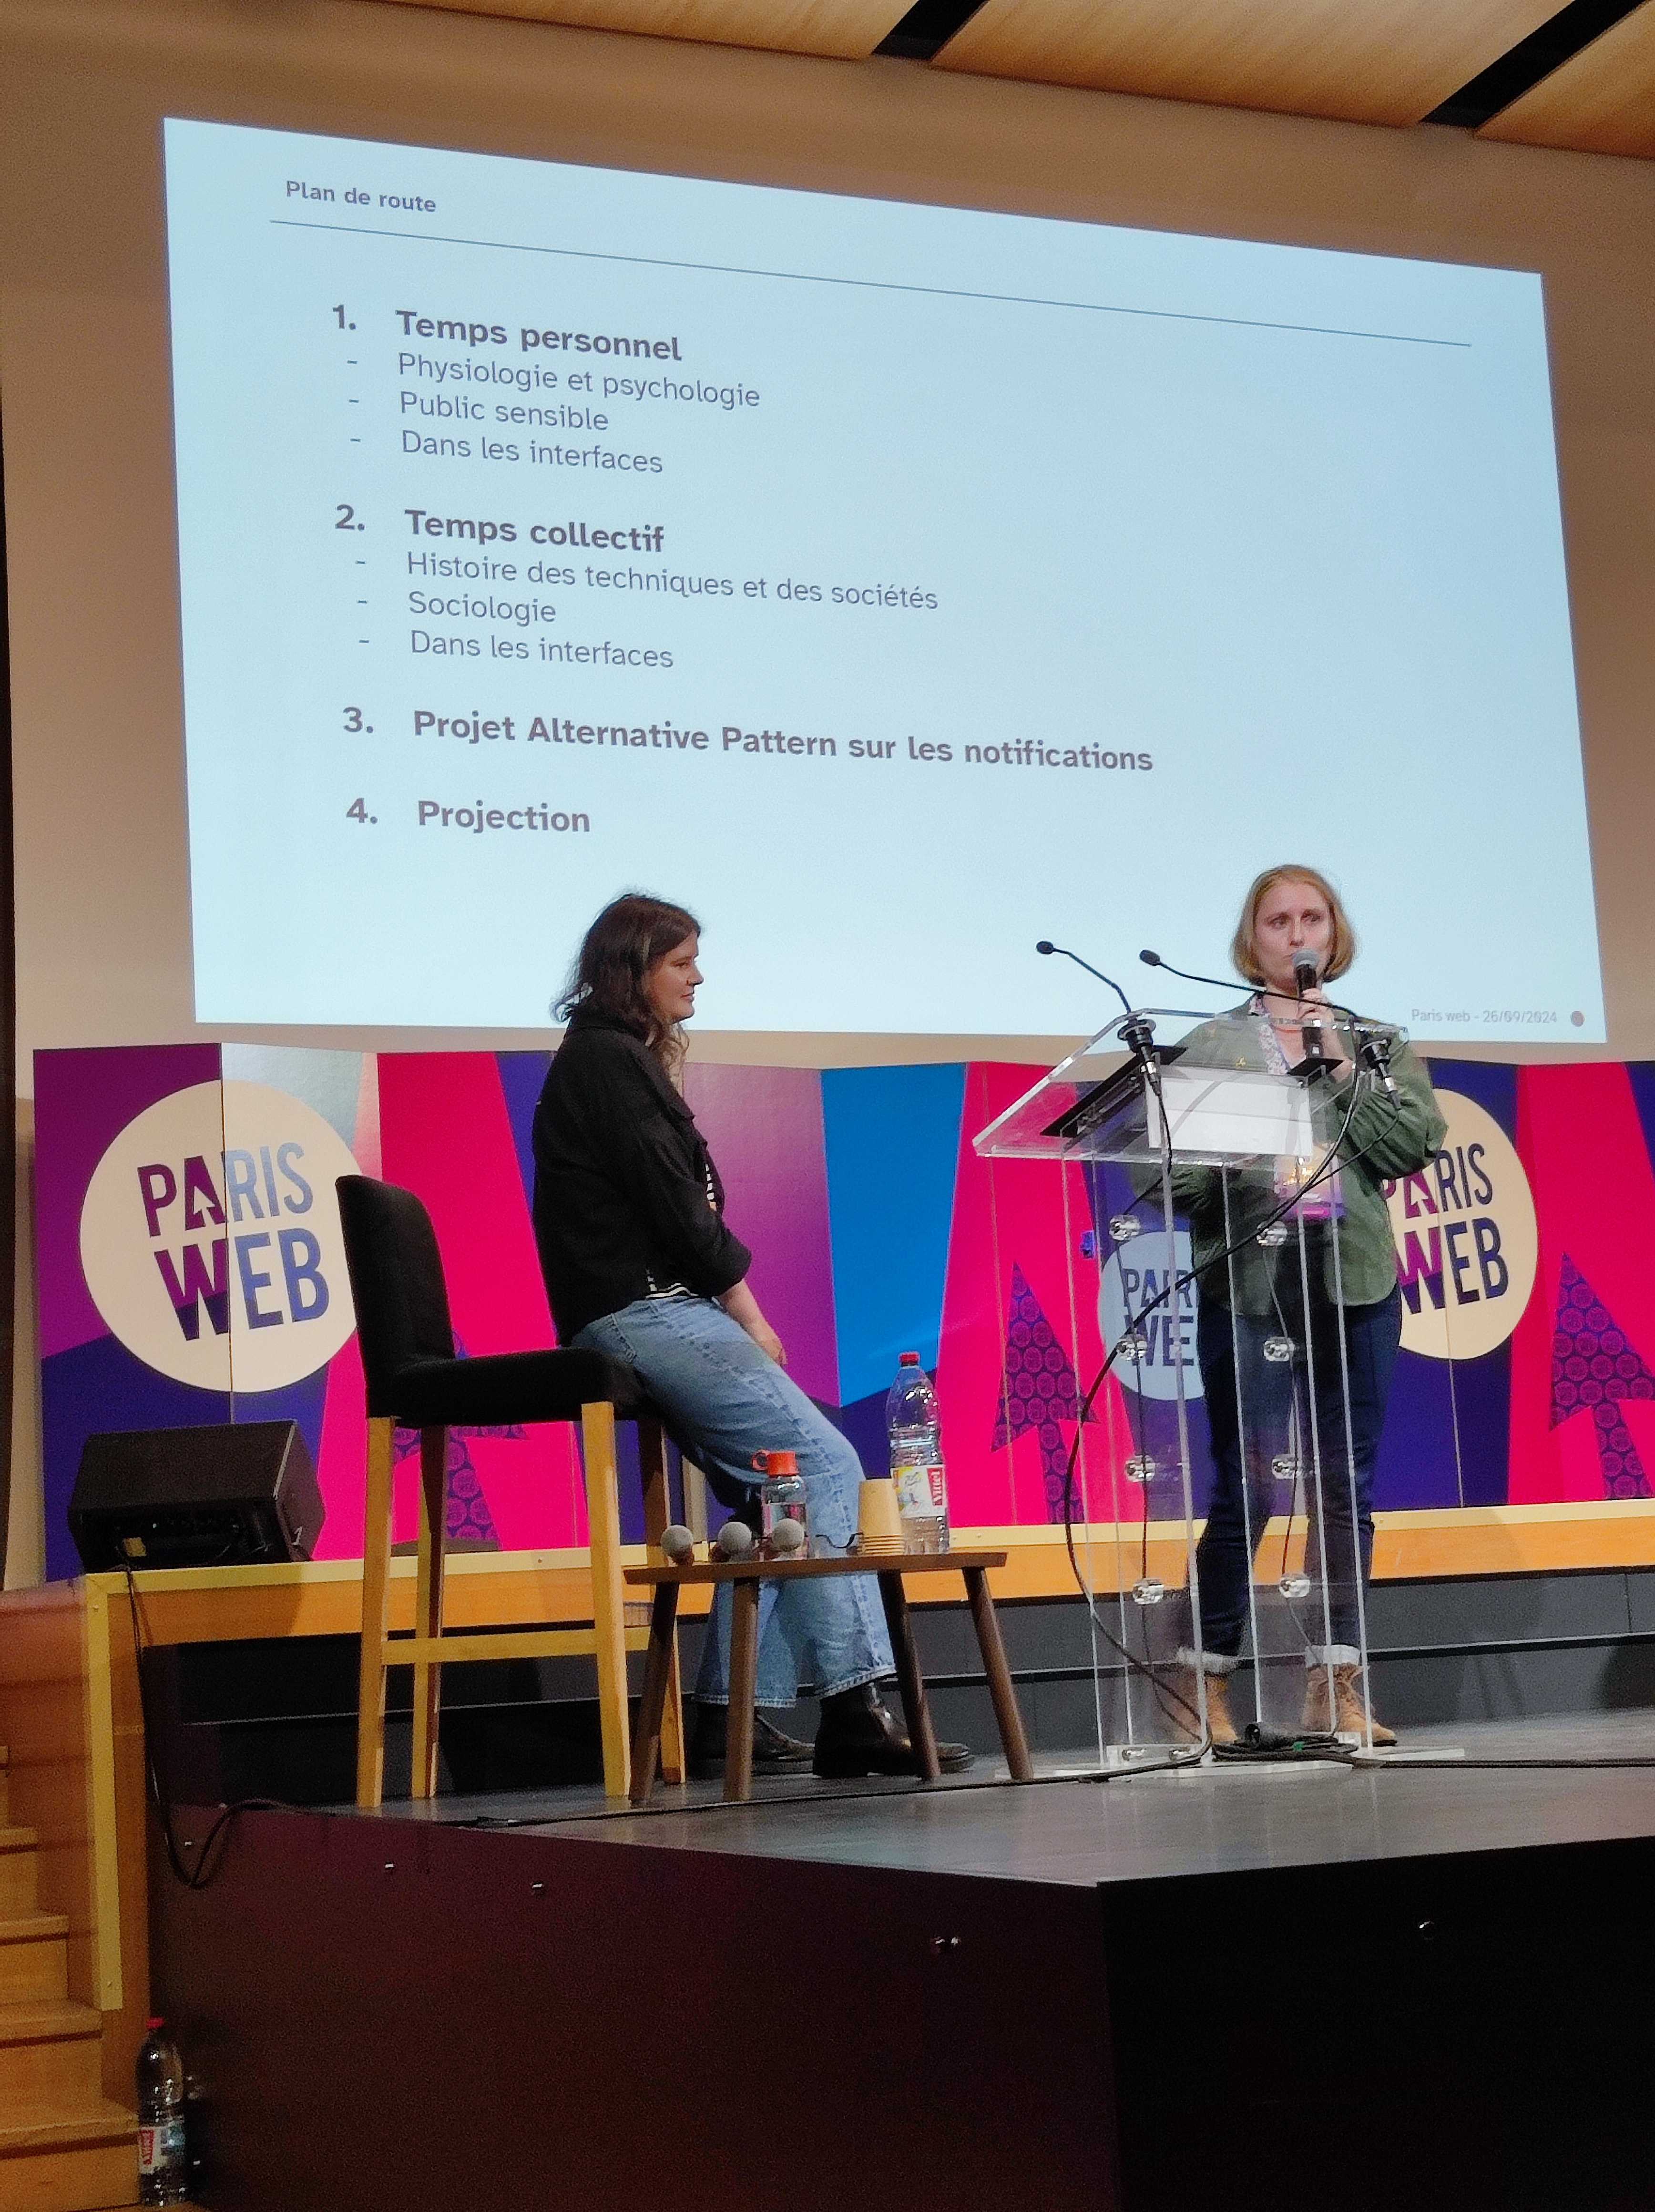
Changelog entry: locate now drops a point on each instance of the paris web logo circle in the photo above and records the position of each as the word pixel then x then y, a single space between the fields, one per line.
pixel 1466 1239
pixel 210 1239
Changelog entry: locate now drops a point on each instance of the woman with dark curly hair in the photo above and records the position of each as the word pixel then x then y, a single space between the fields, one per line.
pixel 638 1263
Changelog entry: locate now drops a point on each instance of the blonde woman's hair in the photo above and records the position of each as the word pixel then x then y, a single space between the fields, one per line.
pixel 1243 946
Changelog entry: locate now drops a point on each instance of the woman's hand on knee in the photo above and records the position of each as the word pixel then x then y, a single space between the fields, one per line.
pixel 766 1339
pixel 743 1309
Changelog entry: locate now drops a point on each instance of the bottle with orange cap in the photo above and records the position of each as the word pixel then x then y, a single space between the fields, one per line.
pixel 783 1522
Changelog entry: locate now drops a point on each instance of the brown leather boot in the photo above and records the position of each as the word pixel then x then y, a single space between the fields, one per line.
pixel 1344 1713
pixel 1184 1695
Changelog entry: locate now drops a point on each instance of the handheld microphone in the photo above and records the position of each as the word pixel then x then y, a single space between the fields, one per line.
pixel 1063 950
pixel 1307 974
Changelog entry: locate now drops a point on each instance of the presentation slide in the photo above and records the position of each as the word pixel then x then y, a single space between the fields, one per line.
pixel 892 586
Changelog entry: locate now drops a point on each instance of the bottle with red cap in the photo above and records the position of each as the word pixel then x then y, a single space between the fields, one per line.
pixel 163 2151
pixel 783 1530
pixel 916 1442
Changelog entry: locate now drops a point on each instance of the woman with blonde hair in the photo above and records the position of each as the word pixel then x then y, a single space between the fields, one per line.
pixel 1336 1300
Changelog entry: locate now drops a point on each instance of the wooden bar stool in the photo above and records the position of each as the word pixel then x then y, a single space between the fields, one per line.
pixel 415 1382
pixel 747 1575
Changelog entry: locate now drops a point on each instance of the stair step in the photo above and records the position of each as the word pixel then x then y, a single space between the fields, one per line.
pixel 17 1869
pixel 58 2127
pixel 55 2158
pixel 51 2055
pixel 39 2019
pixel 36 2020
pixel 34 1957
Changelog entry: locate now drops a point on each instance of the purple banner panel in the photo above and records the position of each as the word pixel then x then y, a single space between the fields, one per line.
pixel 764 1124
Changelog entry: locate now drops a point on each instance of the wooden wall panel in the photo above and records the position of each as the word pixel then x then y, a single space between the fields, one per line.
pixel 1358 61
pixel 1601 102
pixel 846 29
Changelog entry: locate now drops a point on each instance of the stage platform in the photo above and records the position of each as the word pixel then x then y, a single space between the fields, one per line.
pixel 1328 1987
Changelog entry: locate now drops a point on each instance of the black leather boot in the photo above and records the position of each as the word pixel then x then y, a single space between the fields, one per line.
pixel 857 1735
pixel 772 1751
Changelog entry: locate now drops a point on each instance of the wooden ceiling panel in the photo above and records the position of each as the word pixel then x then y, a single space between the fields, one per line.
pixel 848 30
pixel 1358 61
pixel 1601 102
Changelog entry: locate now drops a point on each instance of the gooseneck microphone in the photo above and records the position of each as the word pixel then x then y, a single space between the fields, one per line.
pixel 1063 950
pixel 1138 1031
pixel 1187 975
pixel 1373 1039
pixel 1229 983
pixel 1375 1054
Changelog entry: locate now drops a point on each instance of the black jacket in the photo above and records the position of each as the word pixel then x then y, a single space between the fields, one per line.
pixel 627 1198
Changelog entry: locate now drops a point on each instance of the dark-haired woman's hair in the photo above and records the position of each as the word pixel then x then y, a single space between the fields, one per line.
pixel 616 954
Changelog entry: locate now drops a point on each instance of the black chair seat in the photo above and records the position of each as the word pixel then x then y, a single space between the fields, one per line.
pixel 506 1387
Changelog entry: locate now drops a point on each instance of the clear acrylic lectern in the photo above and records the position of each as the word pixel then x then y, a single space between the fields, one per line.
pixel 1206 1248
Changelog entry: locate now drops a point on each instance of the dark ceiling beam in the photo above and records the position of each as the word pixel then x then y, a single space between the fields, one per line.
pixel 929 24
pixel 926 28
pixel 1555 42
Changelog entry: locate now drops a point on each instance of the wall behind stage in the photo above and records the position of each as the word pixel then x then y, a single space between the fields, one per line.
pixel 102 888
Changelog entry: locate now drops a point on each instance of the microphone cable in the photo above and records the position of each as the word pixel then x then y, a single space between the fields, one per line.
pixel 206 1867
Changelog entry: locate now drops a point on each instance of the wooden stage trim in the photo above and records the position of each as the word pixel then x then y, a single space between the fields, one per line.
pixel 1448 1543
pixel 486 1590
pixel 496 1590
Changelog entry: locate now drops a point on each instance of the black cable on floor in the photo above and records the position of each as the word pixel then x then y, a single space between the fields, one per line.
pixel 206 1866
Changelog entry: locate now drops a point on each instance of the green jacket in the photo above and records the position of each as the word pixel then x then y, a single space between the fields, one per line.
pixel 1392 1136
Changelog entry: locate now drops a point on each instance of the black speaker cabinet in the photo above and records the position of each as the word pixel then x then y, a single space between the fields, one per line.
pixel 228 1494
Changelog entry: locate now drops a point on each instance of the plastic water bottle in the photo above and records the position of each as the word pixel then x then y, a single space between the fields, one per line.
pixel 163 2155
pixel 916 1441
pixel 781 1500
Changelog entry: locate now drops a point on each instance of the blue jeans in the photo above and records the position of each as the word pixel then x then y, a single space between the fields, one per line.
pixel 723 1399
pixel 1245 1490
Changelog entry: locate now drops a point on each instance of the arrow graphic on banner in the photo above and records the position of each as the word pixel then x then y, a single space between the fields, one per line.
pixel 1593 1364
pixel 1039 1390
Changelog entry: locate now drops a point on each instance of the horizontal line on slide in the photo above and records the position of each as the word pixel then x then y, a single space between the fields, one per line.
pixel 871 284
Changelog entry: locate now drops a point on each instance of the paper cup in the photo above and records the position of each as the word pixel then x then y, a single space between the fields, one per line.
pixel 879 1518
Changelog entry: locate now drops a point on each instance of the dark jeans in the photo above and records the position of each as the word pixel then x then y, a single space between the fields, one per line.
pixel 1246 1490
